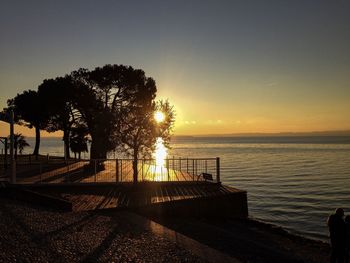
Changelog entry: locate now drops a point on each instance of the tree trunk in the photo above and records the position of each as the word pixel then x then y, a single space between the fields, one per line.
pixel 37 142
pixel 15 151
pixel 97 152
pixel 79 155
pixel 66 143
pixel 98 149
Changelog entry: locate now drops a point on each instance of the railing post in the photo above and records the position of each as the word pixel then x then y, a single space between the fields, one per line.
pixel 180 163
pixel 121 170
pixel 116 171
pixel 41 178
pixel 40 172
pixel 162 174
pixel 196 171
pixel 68 172
pixel 167 167
pixel 12 143
pixel 218 170
pixel 143 163
pixel 187 164
pixel 95 170
pixel 193 169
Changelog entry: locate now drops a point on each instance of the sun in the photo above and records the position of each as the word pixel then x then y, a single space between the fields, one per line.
pixel 159 116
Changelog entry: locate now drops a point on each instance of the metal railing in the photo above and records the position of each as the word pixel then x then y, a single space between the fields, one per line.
pixel 116 170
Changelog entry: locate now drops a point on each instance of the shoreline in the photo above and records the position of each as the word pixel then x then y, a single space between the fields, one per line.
pixel 281 230
pixel 293 233
pixel 250 240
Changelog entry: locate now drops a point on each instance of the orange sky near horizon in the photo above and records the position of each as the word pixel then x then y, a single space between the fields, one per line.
pixel 185 126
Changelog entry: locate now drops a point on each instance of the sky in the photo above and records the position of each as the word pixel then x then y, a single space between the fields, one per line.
pixel 226 66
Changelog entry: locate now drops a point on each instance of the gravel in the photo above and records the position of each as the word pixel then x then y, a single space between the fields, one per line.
pixel 34 234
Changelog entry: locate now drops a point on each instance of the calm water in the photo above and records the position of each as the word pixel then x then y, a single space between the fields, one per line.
pixel 292 182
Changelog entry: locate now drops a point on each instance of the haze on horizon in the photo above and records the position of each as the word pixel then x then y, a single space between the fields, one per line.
pixel 227 66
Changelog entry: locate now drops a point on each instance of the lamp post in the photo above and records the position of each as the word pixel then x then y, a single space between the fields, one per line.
pixel 13 161
pixel 4 141
pixel 9 118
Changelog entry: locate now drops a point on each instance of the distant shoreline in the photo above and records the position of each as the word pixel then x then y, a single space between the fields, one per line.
pixel 244 135
pixel 276 134
pixel 257 139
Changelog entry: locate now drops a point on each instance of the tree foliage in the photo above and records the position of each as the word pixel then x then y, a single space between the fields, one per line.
pixel 109 93
pixel 57 96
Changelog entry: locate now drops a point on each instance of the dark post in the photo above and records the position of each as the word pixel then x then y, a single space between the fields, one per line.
pixel 143 164
pixel 116 171
pixel 95 169
pixel 68 174
pixel 13 162
pixel 41 175
pixel 5 161
pixel 218 170
pixel 187 164
pixel 180 163
pixel 167 166
pixel 193 169
pixel 196 165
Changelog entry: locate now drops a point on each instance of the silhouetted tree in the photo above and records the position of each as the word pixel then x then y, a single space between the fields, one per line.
pixel 105 94
pixel 115 103
pixel 58 95
pixel 78 140
pixel 30 111
pixel 139 130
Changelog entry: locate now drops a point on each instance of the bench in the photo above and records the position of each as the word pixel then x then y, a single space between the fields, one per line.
pixel 207 176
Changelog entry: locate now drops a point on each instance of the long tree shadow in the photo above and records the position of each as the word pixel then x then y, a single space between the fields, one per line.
pixel 95 255
pixel 77 224
pixel 77 175
pixel 31 235
pixel 30 172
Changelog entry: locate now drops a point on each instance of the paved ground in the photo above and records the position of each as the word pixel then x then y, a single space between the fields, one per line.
pixel 32 234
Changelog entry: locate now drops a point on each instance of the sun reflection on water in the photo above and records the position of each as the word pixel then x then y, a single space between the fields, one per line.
pixel 160 154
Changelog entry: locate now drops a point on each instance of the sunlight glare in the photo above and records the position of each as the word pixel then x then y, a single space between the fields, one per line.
pixel 159 116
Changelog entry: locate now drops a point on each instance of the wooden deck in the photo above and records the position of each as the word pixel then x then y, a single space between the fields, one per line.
pixel 152 196
pixel 177 189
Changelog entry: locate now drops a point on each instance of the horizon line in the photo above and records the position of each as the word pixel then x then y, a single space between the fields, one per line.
pixel 254 134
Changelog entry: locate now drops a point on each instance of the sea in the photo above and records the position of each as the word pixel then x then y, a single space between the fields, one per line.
pixel 294 182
